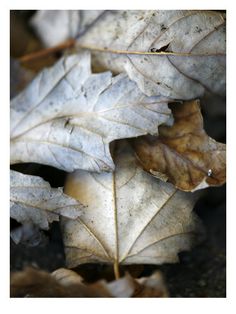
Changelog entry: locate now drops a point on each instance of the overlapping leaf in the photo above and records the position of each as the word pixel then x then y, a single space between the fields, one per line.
pixel 66 283
pixel 177 54
pixel 196 39
pixel 183 153
pixel 55 26
pixel 67 116
pixel 130 217
pixel 34 201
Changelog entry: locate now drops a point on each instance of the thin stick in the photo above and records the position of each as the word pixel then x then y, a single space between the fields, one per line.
pixel 47 51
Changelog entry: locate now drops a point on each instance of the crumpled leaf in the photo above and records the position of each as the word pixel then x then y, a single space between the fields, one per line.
pixel 67 116
pixel 151 287
pixel 67 283
pixel 34 201
pixel 178 54
pixel 183 153
pixel 55 26
pixel 130 218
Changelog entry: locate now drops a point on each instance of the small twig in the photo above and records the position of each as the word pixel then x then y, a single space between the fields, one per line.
pixel 47 51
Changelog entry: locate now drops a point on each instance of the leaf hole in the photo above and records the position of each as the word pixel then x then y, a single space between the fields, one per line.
pixel 162 49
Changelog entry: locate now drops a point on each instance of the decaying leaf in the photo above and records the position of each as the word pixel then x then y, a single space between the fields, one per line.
pixel 196 39
pixel 183 153
pixel 127 286
pixel 55 26
pixel 174 53
pixel 28 234
pixel 67 116
pixel 152 286
pixel 38 283
pixel 130 217
pixel 34 201
pixel 66 283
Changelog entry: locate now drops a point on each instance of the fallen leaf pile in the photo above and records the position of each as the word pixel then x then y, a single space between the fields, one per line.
pixel 67 283
pixel 102 114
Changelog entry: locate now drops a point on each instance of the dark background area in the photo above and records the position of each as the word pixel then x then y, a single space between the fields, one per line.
pixel 200 272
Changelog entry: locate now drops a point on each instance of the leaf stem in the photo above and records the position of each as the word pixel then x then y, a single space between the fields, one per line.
pixel 116 263
pixel 116 270
pixel 131 52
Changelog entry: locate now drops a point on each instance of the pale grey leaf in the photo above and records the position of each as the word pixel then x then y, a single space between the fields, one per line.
pixel 34 201
pixel 55 26
pixel 130 217
pixel 67 116
pixel 196 39
pixel 28 234
pixel 133 40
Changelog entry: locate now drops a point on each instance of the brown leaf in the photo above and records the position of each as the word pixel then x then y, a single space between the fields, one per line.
pixel 152 286
pixel 38 283
pixel 67 283
pixel 183 153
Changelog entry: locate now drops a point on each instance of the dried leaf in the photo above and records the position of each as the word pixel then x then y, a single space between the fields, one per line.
pixel 67 116
pixel 38 283
pixel 34 201
pixel 152 286
pixel 66 283
pixel 174 53
pixel 29 235
pixel 130 217
pixel 67 277
pixel 55 26
pixel 183 153
pixel 127 286
pixel 177 54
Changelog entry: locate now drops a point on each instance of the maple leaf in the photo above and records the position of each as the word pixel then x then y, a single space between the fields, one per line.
pixel 186 49
pixel 130 217
pixel 67 116
pixel 34 201
pixel 178 54
pixel 183 153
